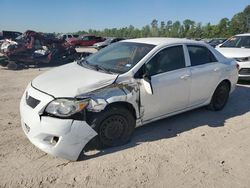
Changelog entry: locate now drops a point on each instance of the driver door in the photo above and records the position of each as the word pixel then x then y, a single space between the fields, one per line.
pixel 170 83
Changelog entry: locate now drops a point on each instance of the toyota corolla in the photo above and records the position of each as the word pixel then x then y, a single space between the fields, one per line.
pixel 127 84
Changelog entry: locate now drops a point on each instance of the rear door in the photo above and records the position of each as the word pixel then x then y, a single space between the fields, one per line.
pixel 205 71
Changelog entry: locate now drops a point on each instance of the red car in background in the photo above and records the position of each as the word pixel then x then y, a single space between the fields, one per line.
pixel 85 40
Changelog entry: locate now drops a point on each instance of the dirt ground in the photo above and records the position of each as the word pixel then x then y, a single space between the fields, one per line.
pixel 195 149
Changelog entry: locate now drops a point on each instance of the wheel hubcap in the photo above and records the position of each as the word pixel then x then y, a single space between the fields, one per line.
pixel 113 127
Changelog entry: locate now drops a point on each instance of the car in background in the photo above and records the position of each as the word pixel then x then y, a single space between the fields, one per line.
pixel 107 42
pixel 206 40
pixel 217 41
pixel 9 35
pixel 102 98
pixel 67 36
pixel 85 40
pixel 238 47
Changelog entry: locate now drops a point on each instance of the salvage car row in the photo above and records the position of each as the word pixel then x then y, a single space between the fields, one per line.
pixel 90 40
pixel 38 49
pixel 33 48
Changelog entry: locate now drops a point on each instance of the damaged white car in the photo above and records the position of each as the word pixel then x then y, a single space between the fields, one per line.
pixel 128 84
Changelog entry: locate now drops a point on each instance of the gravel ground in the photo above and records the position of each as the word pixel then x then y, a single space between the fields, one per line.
pixel 195 149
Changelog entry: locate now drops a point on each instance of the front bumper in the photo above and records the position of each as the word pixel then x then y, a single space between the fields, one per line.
pixel 63 138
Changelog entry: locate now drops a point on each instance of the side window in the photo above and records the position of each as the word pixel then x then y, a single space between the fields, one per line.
pixel 169 59
pixel 85 38
pixel 92 38
pixel 200 55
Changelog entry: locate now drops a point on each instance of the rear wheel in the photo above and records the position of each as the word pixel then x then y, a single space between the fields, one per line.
pixel 115 126
pixel 220 97
pixel 4 63
pixel 12 65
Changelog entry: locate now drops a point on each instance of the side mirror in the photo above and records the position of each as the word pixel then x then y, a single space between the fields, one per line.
pixel 147 85
pixel 145 79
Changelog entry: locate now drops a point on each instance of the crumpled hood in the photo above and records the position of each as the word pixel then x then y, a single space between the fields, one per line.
pixel 234 52
pixel 71 80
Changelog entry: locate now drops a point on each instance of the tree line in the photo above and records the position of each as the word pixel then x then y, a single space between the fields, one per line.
pixel 240 23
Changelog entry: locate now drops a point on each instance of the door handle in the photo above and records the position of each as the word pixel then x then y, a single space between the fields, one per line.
pixel 185 76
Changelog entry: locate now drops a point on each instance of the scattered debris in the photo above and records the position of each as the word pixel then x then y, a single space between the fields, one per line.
pixel 222 162
pixel 63 164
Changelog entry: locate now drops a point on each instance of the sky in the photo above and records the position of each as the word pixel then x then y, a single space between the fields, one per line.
pixel 74 15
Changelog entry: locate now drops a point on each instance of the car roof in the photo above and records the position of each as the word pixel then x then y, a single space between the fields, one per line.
pixel 244 34
pixel 87 35
pixel 162 40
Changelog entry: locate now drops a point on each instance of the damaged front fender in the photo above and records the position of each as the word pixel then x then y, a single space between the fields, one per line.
pixel 116 92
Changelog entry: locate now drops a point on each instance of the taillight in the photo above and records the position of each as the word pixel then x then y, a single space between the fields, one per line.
pixel 238 66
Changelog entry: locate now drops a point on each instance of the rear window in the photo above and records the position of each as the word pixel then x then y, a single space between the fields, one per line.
pixel 200 55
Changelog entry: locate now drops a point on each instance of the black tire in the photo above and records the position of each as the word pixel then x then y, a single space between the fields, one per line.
pixel 115 126
pixel 4 63
pixel 220 97
pixel 12 66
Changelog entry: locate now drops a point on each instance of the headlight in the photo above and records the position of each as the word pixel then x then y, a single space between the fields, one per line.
pixel 242 59
pixel 65 107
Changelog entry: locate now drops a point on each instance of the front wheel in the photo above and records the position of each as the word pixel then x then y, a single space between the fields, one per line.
pixel 12 66
pixel 115 126
pixel 220 97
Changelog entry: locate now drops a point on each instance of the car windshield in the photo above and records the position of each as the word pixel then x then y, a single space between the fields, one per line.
pixel 86 38
pixel 108 40
pixel 118 58
pixel 237 42
pixel 216 41
pixel 20 38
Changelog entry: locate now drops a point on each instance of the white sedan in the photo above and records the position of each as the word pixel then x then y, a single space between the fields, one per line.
pixel 238 47
pixel 102 98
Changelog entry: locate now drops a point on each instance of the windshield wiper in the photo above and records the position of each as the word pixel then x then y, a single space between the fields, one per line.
pixel 98 67
pixel 85 63
pixel 95 67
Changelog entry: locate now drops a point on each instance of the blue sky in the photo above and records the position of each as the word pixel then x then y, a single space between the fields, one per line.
pixel 75 15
